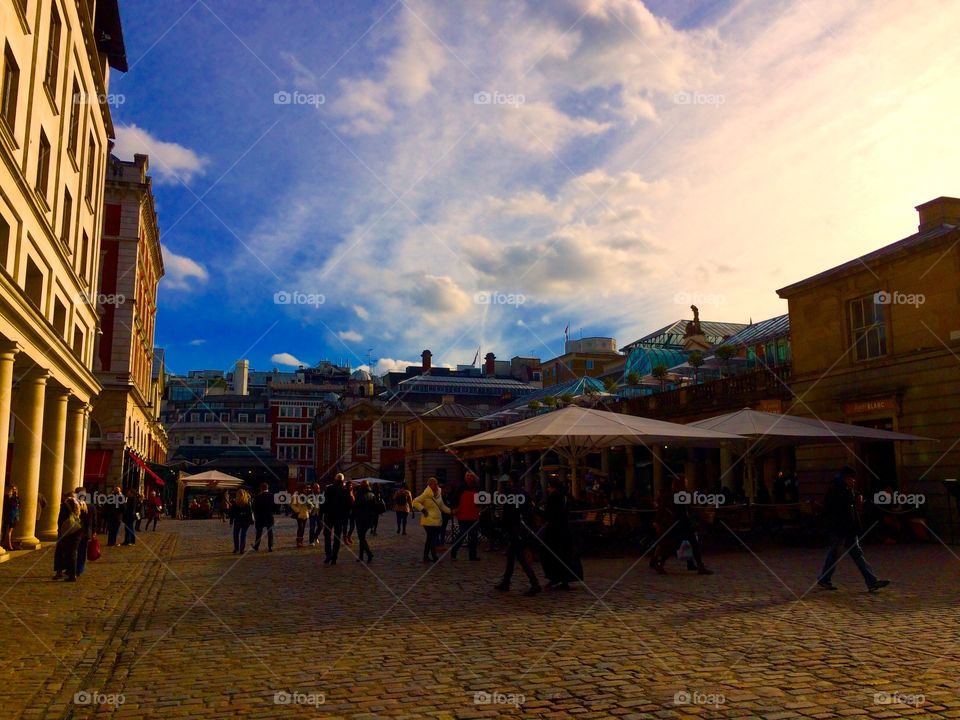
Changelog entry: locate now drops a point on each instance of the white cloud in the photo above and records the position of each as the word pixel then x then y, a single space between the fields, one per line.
pixel 361 312
pixel 197 342
pixel 181 272
pixel 350 336
pixel 169 162
pixel 286 359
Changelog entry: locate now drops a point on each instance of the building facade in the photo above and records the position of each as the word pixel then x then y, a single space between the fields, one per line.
pixel 586 357
pixel 55 128
pixel 875 342
pixel 125 428
pixel 424 438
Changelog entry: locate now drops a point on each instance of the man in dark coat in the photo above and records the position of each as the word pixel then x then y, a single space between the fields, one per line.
pixel 336 513
pixel 843 525
pixel 263 509
pixel 518 526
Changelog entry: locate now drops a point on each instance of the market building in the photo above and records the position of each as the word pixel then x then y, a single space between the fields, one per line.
pixel 55 130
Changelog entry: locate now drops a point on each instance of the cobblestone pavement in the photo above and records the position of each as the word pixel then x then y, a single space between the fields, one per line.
pixel 177 626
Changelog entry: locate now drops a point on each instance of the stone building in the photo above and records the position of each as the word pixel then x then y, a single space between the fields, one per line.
pixel 55 128
pixel 875 342
pixel 125 429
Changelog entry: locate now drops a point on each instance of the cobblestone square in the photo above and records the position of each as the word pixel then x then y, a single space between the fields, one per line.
pixel 178 626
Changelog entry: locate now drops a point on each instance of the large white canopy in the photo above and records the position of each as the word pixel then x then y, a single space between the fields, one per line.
pixel 212 480
pixel 575 431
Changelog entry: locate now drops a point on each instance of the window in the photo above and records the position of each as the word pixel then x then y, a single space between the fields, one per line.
pixel 43 165
pixel 59 317
pixel 259 440
pixel 91 162
pixel 189 439
pixel 243 417
pixel 224 417
pixel 360 448
pixel 4 242
pixel 208 417
pixel 194 417
pixel 84 247
pixel 261 418
pixel 33 284
pixel 67 218
pixel 78 342
pixel 309 452
pixel 53 52
pixel 11 84
pixel 589 364
pixel 224 439
pixel 868 330
pixel 207 440
pixel 392 435
pixel 75 110
pixel 243 440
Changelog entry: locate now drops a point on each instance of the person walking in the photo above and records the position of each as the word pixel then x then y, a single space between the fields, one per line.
pixel 843 525
pixel 376 518
pixel 677 524
pixel 86 528
pixel 11 515
pixel 431 507
pixel 131 516
pixel 560 563
pixel 518 526
pixel 313 502
pixel 113 515
pixel 241 517
pixel 152 508
pixel 336 510
pixel 366 510
pixel 301 512
pixel 69 529
pixel 402 505
pixel 467 513
pixel 351 496
pixel 263 516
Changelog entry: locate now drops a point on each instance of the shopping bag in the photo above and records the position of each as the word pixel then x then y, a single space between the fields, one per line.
pixel 685 552
pixel 93 549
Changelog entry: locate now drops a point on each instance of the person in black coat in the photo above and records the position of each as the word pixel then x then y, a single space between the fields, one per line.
pixel 366 510
pixel 241 517
pixel 131 514
pixel 843 526
pixel 336 513
pixel 560 563
pixel 518 526
pixel 263 516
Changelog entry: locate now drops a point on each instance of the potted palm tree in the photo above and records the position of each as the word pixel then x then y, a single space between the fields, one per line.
pixel 660 373
pixel 695 360
pixel 725 354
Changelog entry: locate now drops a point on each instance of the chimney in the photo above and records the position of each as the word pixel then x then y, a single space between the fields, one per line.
pixel 489 364
pixel 240 375
pixel 942 211
pixel 426 355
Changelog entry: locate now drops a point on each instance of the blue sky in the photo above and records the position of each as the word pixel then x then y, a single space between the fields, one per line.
pixel 450 175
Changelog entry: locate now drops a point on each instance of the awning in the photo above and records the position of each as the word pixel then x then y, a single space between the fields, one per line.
pixel 96 466
pixel 157 480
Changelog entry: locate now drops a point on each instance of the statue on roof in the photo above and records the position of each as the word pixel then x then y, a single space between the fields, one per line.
pixel 693 327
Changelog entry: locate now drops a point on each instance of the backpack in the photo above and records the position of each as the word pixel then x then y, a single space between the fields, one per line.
pixel 381 505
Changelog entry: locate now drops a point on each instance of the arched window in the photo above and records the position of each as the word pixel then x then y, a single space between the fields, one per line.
pixel 95 432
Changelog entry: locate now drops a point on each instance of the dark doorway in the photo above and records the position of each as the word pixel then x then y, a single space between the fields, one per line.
pixel 879 457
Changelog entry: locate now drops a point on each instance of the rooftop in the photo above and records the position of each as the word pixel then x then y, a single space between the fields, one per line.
pixel 761 332
pixel 671 336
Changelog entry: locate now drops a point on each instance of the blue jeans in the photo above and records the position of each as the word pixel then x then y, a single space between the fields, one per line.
pixel 239 536
pixel 260 529
pixel 840 545
pixel 82 554
pixel 129 534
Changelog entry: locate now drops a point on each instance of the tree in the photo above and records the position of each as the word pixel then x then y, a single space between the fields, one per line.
pixel 660 373
pixel 550 401
pixel 534 405
pixel 634 378
pixel 566 398
pixel 611 385
pixel 724 354
pixel 695 360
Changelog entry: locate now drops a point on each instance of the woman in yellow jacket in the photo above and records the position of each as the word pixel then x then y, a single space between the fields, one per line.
pixel 431 507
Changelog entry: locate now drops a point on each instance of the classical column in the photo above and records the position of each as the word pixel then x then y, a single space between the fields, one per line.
pixel 629 475
pixel 52 460
pixel 75 447
pixel 28 431
pixel 8 353
pixel 658 468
